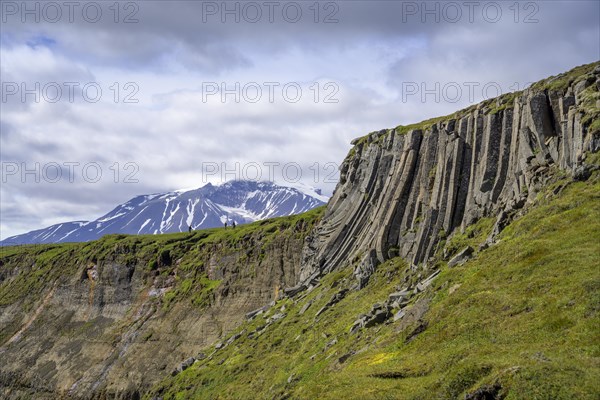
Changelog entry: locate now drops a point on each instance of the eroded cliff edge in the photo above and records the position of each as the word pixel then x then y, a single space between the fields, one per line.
pixel 107 319
pixel 402 190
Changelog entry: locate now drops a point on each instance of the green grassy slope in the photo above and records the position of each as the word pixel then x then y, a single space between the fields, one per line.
pixel 521 319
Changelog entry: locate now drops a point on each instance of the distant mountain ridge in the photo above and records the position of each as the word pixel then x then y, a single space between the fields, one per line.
pixel 206 207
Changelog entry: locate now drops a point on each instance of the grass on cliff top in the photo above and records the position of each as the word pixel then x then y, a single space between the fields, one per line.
pixel 523 314
pixel 39 266
pixel 266 227
pixel 562 81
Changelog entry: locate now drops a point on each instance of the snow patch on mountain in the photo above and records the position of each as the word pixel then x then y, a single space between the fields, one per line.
pixel 175 211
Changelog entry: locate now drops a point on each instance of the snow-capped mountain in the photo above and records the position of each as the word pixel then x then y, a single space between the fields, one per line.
pixel 207 207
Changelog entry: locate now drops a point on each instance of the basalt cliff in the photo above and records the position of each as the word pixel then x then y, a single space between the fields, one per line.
pixel 403 189
pixel 457 258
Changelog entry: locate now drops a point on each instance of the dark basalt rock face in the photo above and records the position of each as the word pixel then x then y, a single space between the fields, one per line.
pixel 399 190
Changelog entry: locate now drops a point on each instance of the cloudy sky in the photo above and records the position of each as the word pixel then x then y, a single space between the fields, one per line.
pixel 103 102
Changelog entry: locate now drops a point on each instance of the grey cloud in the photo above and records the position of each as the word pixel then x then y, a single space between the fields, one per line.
pixel 175 29
pixel 369 53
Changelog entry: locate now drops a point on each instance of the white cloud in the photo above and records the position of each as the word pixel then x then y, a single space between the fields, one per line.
pixel 171 131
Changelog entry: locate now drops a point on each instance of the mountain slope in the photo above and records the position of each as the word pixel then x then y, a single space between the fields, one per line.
pixel 421 193
pixel 207 207
pixel 108 318
pixel 518 321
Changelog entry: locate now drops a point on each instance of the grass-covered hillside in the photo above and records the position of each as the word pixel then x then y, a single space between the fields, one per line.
pixel 520 320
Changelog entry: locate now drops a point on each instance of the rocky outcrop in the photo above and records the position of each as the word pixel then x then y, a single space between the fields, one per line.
pixel 462 256
pixel 378 314
pixel 110 324
pixel 402 189
pixel 336 298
